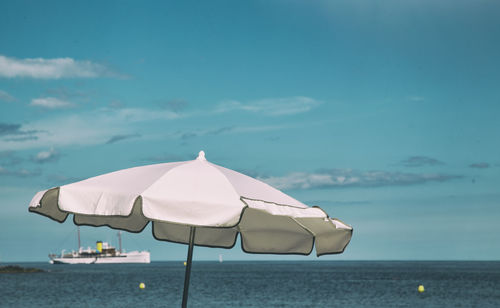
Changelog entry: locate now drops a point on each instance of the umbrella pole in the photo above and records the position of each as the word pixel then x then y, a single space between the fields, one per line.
pixel 188 267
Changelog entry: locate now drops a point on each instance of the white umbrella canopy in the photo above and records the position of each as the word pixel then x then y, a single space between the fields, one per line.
pixel 181 197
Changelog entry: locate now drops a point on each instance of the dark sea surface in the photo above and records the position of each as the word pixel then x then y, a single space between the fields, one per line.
pixel 257 284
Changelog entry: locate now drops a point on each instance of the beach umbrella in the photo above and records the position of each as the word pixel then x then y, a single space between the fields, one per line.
pixel 197 203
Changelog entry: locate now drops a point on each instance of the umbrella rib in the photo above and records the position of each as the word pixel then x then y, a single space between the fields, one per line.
pixel 279 204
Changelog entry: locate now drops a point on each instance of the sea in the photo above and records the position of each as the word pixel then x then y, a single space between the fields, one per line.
pixel 257 284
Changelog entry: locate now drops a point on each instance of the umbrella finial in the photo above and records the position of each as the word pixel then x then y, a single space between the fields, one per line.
pixel 201 156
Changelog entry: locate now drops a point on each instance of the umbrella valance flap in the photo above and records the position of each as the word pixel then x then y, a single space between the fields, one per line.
pixel 45 202
pixel 282 229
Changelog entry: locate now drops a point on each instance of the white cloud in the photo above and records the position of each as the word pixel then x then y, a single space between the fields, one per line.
pixel 46 156
pixel 97 126
pixel 336 178
pixel 271 106
pixel 140 114
pixel 107 125
pixel 50 103
pixel 6 97
pixel 420 161
pixel 52 68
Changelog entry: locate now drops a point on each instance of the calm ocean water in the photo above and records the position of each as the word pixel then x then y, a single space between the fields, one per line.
pixel 257 284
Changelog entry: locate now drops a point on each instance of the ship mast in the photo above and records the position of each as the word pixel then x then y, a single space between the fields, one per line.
pixel 79 244
pixel 120 241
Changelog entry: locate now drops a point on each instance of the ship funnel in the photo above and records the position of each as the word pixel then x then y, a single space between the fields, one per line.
pixel 99 246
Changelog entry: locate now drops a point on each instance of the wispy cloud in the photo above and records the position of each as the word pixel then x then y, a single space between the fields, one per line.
pixel 420 161
pixel 66 93
pixel 50 155
pixel 6 97
pixel 117 138
pixel 116 104
pixel 175 105
pixel 339 178
pixel 56 68
pixel 13 132
pixel 21 138
pixel 139 114
pixel 9 129
pixel 83 128
pixel 480 165
pixel 59 179
pixel 189 135
pixel 337 203
pixel 18 172
pixel 271 106
pixel 9 158
pixel 50 103
pixel 107 126
pixel 166 157
pixel 185 135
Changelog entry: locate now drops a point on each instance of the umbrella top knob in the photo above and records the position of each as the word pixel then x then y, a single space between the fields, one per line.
pixel 201 156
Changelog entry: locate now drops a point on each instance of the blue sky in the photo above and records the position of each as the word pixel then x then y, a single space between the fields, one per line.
pixel 384 113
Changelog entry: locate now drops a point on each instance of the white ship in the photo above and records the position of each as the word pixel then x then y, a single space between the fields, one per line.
pixel 104 253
